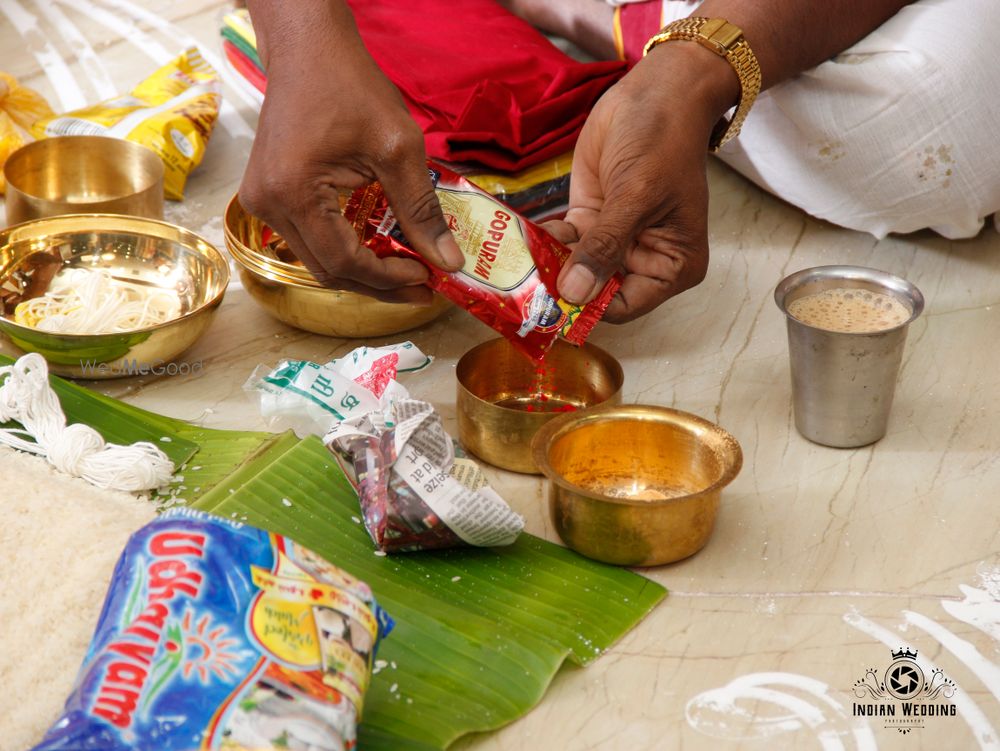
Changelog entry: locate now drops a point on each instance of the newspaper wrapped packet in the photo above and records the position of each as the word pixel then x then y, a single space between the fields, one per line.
pixel 219 636
pixel 416 493
pixel 416 489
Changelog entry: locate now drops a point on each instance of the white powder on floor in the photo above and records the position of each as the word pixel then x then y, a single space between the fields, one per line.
pixel 59 541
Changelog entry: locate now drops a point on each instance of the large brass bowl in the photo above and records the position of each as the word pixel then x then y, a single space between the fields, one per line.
pixel 635 485
pixel 143 251
pixel 83 175
pixel 292 295
pixel 504 398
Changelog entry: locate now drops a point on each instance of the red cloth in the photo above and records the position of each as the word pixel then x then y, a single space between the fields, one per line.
pixel 482 84
pixel 639 21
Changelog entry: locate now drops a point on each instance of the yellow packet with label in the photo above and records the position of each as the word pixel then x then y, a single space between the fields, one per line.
pixel 172 112
pixel 19 108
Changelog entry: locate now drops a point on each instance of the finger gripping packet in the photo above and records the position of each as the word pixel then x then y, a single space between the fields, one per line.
pixel 217 635
pixel 511 265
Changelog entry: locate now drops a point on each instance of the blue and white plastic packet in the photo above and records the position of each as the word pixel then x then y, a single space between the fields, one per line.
pixel 218 635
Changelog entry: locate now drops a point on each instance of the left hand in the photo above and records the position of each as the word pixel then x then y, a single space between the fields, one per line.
pixel 638 192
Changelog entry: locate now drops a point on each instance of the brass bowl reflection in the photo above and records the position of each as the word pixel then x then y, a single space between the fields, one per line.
pixel 635 485
pixel 83 174
pixel 504 398
pixel 143 251
pixel 292 295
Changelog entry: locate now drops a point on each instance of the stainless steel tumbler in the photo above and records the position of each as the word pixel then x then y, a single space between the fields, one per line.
pixel 843 383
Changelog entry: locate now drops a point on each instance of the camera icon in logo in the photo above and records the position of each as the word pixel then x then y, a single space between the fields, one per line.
pixel 904 679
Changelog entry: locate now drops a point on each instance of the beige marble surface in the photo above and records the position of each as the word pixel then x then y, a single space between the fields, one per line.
pixel 819 556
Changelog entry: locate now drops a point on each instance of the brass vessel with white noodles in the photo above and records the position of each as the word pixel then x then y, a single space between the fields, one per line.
pixel 130 249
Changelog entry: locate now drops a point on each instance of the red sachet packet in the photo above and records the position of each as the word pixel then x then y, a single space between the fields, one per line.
pixel 509 278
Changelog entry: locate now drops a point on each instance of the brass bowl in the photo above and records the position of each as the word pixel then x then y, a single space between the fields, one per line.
pixel 292 295
pixel 635 485
pixel 83 174
pixel 504 398
pixel 144 251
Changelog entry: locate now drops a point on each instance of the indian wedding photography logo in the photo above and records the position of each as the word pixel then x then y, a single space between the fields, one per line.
pixel 903 695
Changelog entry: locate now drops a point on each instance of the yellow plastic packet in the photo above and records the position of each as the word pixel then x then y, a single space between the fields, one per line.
pixel 172 112
pixel 19 108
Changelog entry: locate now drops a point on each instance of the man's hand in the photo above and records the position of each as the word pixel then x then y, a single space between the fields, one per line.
pixel 639 196
pixel 331 121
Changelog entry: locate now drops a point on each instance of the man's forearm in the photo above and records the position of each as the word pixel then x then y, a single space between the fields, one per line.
pixel 301 29
pixel 790 36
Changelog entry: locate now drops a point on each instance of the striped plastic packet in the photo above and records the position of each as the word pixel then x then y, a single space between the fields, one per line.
pixel 173 112
pixel 219 636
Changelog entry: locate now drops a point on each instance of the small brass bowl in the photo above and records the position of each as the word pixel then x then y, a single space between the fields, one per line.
pixel 292 295
pixel 142 251
pixel 83 175
pixel 504 398
pixel 635 485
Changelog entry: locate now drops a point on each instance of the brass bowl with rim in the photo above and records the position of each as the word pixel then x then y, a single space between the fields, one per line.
pixel 635 485
pixel 141 251
pixel 83 175
pixel 504 397
pixel 292 295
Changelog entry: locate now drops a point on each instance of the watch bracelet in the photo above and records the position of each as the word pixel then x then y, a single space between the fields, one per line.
pixel 737 53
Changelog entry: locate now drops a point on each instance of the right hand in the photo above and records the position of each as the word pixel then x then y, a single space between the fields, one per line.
pixel 334 121
pixel 639 193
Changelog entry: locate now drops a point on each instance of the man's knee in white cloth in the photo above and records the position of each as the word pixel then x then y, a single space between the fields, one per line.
pixel 898 133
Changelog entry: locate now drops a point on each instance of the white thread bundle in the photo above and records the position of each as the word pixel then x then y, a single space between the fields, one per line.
pixel 91 301
pixel 78 450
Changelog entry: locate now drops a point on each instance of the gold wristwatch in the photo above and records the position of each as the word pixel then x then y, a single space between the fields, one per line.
pixel 725 40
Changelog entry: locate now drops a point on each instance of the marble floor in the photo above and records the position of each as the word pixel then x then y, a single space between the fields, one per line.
pixel 822 560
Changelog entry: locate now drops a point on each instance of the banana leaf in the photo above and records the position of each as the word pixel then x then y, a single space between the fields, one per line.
pixel 480 633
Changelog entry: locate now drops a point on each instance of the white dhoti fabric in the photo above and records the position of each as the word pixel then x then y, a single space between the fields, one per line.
pixel 898 133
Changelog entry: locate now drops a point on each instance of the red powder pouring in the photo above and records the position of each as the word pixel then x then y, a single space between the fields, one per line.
pixel 511 264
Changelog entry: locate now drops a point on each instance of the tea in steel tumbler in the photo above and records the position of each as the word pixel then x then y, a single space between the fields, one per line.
pixel 843 381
